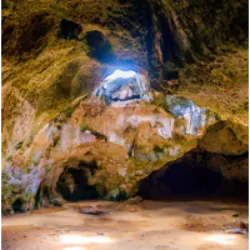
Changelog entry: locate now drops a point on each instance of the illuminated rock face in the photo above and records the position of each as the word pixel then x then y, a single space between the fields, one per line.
pixel 196 117
pixel 124 143
pixel 123 87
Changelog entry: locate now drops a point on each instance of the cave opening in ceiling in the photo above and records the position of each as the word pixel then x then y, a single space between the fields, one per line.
pixel 123 86
pixel 121 74
pixel 196 176
pixel 73 184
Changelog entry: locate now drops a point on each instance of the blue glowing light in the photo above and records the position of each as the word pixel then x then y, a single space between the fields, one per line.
pixel 121 74
pixel 122 87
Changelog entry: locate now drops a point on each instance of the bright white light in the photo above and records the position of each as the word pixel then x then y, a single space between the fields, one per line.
pixel 74 248
pixel 222 239
pixel 74 239
pixel 121 74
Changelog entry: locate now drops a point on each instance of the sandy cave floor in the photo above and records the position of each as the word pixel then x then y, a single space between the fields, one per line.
pixel 150 225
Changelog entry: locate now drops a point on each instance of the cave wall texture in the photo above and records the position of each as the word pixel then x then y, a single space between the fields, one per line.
pixel 192 55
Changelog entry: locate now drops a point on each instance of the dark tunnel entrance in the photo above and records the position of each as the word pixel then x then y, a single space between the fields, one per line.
pixel 17 206
pixel 73 185
pixel 196 176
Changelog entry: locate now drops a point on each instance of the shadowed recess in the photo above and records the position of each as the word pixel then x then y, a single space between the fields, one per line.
pixel 73 185
pixel 195 176
pixel 69 29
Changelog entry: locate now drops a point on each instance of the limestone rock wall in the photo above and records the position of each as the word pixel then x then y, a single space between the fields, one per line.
pixel 124 142
pixel 57 54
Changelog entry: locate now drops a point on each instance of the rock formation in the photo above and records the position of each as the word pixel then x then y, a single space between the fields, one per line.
pixel 85 92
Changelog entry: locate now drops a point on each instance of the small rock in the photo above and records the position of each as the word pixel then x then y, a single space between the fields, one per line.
pixel 241 224
pixel 134 200
pixel 236 215
pixel 57 203
pixel 92 211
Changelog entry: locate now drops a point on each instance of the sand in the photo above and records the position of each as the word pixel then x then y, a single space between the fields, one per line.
pixel 150 225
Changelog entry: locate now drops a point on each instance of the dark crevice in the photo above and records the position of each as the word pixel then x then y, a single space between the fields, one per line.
pixel 91 166
pixel 69 29
pixel 73 184
pixel 99 47
pixel 169 46
pixel 17 206
pixel 237 157
pixel 197 175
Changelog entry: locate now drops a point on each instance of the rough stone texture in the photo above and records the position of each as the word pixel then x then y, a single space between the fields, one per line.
pixel 47 126
pixel 125 142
